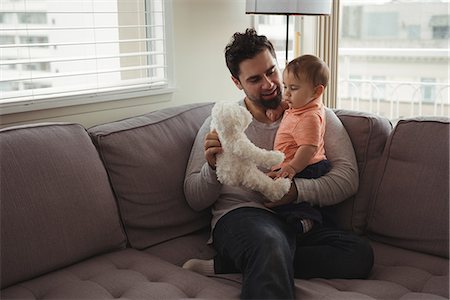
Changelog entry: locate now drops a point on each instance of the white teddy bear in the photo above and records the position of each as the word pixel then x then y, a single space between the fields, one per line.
pixel 238 164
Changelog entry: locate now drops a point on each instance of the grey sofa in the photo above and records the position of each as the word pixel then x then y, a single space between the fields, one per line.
pixel 100 213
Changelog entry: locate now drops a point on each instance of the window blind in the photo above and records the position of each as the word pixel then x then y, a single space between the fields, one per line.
pixel 55 49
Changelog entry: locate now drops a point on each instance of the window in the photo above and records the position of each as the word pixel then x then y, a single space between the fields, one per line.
pixel 58 53
pixel 440 25
pixel 428 89
pixel 413 32
pixel 43 66
pixel 6 39
pixel 353 16
pixel 398 66
pixel 392 55
pixel 386 25
pixel 32 18
pixel 274 27
pixel 37 41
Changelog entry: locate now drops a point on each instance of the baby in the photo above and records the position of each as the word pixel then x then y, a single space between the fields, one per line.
pixel 301 133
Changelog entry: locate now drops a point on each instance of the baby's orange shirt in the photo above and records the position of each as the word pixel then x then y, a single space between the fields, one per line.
pixel 302 126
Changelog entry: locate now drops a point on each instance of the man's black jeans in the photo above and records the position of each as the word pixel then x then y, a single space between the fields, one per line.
pixel 269 253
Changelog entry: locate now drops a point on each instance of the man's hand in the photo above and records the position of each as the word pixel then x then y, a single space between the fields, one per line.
pixel 290 197
pixel 212 148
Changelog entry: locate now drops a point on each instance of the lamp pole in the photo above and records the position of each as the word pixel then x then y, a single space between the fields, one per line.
pixel 287 38
pixel 289 7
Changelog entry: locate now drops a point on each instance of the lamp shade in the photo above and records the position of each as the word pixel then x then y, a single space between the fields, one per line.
pixel 289 7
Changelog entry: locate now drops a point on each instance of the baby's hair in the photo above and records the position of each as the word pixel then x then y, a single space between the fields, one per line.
pixel 310 68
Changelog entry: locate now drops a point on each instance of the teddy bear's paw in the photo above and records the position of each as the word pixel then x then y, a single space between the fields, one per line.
pixel 280 187
pixel 273 158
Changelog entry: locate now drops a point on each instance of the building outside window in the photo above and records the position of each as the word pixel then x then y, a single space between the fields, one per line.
pixel 440 26
pixel 428 90
pixel 32 17
pixel 35 40
pixel 399 48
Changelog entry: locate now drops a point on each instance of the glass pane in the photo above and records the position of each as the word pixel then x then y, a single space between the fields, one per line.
pixel 393 57
pixel 75 45
pixel 274 27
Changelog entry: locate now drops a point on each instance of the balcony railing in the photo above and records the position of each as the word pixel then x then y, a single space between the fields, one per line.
pixel 395 99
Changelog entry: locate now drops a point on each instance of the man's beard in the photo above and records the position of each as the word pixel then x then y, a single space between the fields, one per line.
pixel 269 104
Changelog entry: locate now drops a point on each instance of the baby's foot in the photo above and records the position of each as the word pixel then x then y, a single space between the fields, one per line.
pixel 201 266
pixel 306 225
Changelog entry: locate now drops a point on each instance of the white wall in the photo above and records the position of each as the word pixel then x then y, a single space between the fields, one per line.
pixel 201 30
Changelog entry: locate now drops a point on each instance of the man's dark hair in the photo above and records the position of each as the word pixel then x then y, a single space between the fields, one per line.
pixel 245 46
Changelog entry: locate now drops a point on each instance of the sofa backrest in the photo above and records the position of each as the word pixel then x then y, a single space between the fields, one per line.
pixel 368 134
pixel 410 203
pixel 57 206
pixel 146 159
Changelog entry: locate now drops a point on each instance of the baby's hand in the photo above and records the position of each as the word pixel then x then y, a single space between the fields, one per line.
pixel 275 114
pixel 272 174
pixel 286 172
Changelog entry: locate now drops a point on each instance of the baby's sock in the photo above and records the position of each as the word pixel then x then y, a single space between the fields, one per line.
pixel 204 267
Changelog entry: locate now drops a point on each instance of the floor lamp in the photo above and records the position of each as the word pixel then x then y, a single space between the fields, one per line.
pixel 289 7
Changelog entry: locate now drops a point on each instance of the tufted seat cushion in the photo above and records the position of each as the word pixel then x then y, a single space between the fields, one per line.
pixel 414 272
pixel 126 274
pixel 397 274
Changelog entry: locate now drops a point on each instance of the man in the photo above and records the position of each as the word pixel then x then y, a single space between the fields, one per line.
pixel 248 236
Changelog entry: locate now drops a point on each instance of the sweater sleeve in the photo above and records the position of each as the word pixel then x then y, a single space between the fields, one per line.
pixel 201 186
pixel 342 181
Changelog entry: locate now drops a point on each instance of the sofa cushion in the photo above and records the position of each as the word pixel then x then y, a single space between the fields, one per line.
pixel 124 274
pixel 194 245
pixel 146 160
pixel 57 206
pixel 417 273
pixel 397 274
pixel 368 133
pixel 410 202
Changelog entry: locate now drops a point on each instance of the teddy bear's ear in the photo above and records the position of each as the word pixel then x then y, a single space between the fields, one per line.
pixel 229 118
pixel 246 116
pixel 217 116
pixel 236 118
pixel 213 124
